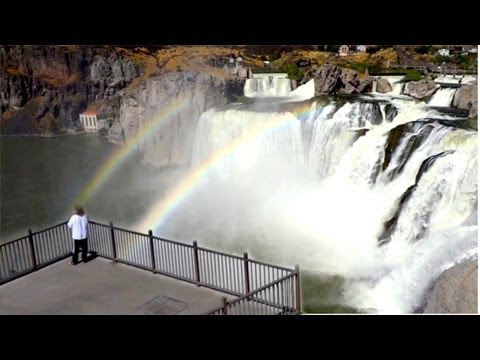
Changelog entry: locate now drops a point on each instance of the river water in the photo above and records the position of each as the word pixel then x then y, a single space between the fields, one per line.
pixel 41 177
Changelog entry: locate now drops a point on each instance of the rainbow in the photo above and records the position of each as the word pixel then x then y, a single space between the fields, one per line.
pixel 161 210
pixel 124 151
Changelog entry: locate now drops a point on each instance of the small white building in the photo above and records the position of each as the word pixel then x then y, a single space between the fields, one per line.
pixel 444 52
pixel 89 120
pixel 344 50
pixel 361 48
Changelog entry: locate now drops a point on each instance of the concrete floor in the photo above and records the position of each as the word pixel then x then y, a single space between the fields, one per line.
pixel 104 287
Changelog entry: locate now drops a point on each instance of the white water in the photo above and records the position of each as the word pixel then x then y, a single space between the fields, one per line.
pixel 312 197
pixel 269 85
pixel 305 91
pixel 452 79
pixel 456 79
pixel 468 79
pixel 443 97
pixel 397 87
pixel 333 134
pixel 277 85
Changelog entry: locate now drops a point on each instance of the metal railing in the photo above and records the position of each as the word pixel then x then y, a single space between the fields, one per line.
pixel 34 251
pixel 253 281
pixel 281 297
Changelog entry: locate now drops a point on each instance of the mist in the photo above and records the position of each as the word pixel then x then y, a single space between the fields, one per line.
pixel 321 203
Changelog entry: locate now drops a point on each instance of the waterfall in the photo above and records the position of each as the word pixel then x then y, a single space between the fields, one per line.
pixel 397 88
pixel 379 193
pixel 451 79
pixel 431 234
pixel 305 91
pixel 333 136
pixel 217 129
pixel 443 97
pixel 466 79
pixel 268 85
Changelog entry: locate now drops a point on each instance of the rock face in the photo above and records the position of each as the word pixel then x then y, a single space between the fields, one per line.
pixel 455 291
pixel 467 98
pixel 331 79
pixel 44 88
pixel 420 89
pixel 166 109
pixel 383 86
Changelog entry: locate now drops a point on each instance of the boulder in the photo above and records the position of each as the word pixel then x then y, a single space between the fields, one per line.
pixel 455 291
pixel 421 89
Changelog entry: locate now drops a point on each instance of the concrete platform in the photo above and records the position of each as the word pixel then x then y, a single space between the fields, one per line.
pixel 104 287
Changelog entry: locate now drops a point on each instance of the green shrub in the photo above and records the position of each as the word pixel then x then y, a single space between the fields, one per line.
pixel 364 66
pixel 439 59
pixel 413 75
pixel 293 71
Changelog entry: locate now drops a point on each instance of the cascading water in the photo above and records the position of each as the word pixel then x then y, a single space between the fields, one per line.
pixel 450 79
pixel 277 85
pixel 371 192
pixel 443 97
pixel 268 86
pixel 466 79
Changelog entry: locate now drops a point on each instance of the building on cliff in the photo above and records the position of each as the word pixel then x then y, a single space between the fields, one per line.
pixel 91 123
pixel 344 50
pixel 361 48
pixel 444 52
pixel 236 68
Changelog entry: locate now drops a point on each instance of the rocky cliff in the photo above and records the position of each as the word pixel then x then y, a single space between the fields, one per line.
pixel 331 79
pixel 44 88
pixel 168 107
pixel 467 98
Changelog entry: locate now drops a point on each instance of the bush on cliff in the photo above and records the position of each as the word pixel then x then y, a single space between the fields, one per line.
pixel 293 71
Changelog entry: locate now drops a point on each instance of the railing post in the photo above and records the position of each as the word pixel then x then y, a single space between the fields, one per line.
pixel 225 306
pixel 32 249
pixel 298 294
pixel 112 238
pixel 197 264
pixel 152 251
pixel 246 273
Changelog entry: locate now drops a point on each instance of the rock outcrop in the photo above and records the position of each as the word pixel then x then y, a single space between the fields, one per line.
pixel 455 291
pixel 467 98
pixel 167 109
pixel 421 89
pixel 331 79
pixel 44 88
pixel 383 86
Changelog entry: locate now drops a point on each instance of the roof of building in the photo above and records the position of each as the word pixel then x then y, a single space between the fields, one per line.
pixel 89 112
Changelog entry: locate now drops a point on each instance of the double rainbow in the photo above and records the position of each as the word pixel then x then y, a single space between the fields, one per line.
pixel 127 149
pixel 164 207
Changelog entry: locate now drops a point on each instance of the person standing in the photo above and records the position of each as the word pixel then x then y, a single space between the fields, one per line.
pixel 79 225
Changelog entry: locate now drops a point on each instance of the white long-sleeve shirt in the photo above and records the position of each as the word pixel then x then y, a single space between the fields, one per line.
pixel 79 226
